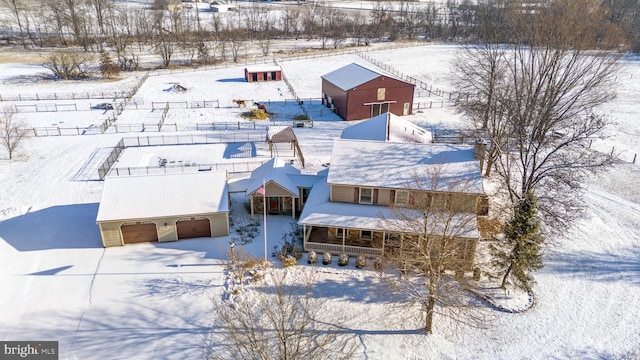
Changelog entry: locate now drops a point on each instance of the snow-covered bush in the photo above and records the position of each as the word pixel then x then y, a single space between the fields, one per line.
pixel 377 264
pixel 289 261
pixel 326 258
pixel 361 261
pixel 343 259
pixel 312 257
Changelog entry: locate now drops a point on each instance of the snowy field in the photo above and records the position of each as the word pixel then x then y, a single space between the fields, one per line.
pixel 154 301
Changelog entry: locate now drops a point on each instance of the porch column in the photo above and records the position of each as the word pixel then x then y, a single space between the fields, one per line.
pixel 293 207
pixel 304 237
pixel 251 207
pixel 384 236
pixel 344 236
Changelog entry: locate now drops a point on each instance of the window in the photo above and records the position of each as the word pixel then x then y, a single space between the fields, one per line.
pixel 340 232
pixel 402 198
pixel 305 194
pixel 381 93
pixel 366 195
pixel 365 234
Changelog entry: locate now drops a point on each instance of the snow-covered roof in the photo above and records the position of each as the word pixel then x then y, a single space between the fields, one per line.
pixel 350 76
pixel 387 127
pixel 153 196
pixel 275 170
pixel 263 68
pixel 280 134
pixel 402 165
pixel 320 211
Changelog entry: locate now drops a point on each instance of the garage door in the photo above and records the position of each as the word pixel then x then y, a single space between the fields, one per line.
pixel 137 233
pixel 195 228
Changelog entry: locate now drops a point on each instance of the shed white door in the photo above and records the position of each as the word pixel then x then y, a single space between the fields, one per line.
pixel 137 233
pixel 194 228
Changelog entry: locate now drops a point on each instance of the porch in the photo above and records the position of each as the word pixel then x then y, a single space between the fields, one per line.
pixel 320 239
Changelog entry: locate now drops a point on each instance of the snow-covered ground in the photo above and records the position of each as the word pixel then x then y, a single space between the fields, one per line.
pixel 153 301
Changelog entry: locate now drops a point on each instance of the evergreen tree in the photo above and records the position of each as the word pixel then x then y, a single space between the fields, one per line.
pixel 108 68
pixel 522 233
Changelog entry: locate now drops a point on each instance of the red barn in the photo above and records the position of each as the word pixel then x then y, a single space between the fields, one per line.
pixel 263 73
pixel 356 93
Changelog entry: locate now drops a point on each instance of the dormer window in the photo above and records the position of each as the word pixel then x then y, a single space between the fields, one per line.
pixel 366 195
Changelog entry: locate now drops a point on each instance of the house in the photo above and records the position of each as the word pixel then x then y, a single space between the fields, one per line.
pixel 350 209
pixel 263 73
pixel 355 93
pixel 387 127
pixel 281 185
pixel 161 208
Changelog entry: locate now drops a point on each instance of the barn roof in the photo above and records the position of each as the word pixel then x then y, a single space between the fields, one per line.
pixel 387 127
pixel 263 68
pixel 397 165
pixel 153 196
pixel 350 76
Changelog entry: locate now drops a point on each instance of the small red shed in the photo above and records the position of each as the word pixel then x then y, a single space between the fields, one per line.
pixel 263 73
pixel 357 93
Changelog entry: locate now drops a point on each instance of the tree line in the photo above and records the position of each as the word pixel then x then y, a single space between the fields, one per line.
pixel 125 31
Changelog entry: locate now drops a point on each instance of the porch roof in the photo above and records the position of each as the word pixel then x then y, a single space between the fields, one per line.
pixel 276 171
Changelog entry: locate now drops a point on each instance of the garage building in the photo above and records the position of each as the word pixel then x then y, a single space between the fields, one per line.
pixel 159 208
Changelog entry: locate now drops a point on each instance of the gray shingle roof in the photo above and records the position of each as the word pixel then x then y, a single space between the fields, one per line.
pixel 350 76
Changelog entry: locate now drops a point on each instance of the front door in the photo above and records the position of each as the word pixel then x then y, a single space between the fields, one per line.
pixel 274 204
pixel 377 109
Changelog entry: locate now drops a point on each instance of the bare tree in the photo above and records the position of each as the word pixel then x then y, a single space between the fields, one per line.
pixel 432 244
pixel 11 131
pixel 68 65
pixel 18 10
pixel 276 318
pixel 538 98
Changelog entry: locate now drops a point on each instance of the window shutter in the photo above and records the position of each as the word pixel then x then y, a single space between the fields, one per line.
pixel 375 196
pixel 356 195
pixel 392 197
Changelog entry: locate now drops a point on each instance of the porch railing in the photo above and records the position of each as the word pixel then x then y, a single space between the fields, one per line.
pixel 336 249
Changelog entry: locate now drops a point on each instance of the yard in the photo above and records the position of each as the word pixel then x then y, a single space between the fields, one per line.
pixel 154 301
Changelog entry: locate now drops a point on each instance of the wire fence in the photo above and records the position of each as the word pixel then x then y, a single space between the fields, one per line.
pixel 230 167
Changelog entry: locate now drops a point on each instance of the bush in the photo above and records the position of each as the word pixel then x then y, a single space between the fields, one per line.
pixel 312 257
pixel 326 258
pixel 377 264
pixel 289 261
pixel 343 259
pixel 361 262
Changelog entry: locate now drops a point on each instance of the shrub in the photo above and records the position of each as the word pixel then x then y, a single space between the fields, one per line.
pixel 312 257
pixel 289 261
pixel 326 258
pixel 343 259
pixel 361 262
pixel 377 264
pixel 297 252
